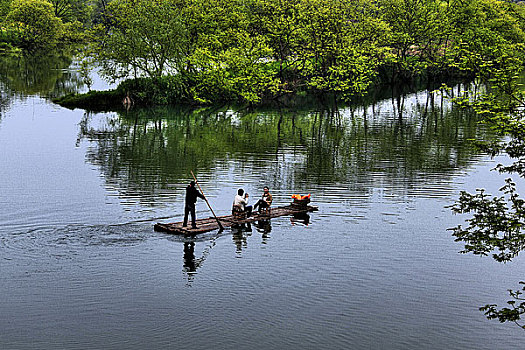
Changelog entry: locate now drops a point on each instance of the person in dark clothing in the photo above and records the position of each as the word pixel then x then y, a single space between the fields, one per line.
pixel 266 200
pixel 189 206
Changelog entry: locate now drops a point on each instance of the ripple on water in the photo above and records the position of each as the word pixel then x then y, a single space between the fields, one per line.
pixel 64 242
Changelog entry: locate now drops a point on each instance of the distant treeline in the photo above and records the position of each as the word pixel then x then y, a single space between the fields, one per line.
pixel 201 51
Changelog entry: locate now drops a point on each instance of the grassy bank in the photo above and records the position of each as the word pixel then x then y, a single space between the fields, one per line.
pixel 190 90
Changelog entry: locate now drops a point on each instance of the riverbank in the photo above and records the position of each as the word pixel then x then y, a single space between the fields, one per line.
pixel 189 90
pixel 168 90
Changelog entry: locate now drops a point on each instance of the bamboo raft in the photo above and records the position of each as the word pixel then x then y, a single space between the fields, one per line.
pixel 210 224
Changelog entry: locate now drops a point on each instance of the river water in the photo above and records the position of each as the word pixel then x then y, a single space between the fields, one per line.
pixel 374 268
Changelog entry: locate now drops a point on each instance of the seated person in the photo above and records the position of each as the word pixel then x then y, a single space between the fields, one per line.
pixel 265 201
pixel 240 203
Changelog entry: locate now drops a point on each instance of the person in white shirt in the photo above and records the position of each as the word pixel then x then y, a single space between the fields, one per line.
pixel 240 203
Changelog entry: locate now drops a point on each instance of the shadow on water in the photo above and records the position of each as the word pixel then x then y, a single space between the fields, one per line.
pixel 300 219
pixel 239 234
pixel 406 143
pixel 4 103
pixel 193 261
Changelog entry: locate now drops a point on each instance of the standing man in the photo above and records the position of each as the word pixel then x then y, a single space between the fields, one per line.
pixel 189 206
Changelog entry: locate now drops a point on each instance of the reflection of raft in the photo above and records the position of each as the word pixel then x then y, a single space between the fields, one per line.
pixel 210 224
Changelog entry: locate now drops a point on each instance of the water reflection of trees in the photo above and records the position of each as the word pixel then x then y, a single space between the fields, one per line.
pixel 4 102
pixel 141 151
pixel 44 75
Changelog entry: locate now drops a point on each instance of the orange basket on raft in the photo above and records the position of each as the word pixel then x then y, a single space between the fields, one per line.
pixel 300 200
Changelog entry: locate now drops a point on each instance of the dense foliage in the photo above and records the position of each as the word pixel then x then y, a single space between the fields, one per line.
pixel 37 25
pixel 250 50
pixel 42 25
pixel 254 49
pixel 497 223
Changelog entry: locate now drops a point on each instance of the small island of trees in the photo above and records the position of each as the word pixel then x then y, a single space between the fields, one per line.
pixel 251 51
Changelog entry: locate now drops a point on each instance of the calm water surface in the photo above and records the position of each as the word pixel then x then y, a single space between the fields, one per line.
pixel 374 268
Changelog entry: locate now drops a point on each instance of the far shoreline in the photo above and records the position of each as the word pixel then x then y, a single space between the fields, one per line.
pixel 150 92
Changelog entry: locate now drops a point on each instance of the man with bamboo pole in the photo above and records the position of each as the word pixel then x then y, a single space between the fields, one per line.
pixel 189 206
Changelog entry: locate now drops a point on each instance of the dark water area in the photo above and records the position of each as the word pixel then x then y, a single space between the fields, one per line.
pixel 374 268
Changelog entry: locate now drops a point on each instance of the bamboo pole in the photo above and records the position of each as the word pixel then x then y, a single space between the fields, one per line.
pixel 206 200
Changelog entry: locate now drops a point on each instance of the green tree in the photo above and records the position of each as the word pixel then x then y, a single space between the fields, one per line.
pixel 5 7
pixel 247 50
pixel 72 10
pixel 419 31
pixel 480 32
pixel 145 37
pixel 326 45
pixel 232 59
pixel 512 314
pixel 38 26
pixel 496 53
pixel 342 43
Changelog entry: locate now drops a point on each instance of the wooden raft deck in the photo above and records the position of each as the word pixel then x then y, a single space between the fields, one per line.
pixel 210 224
